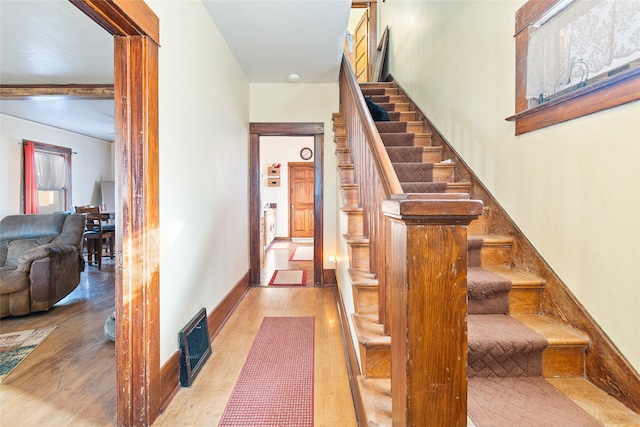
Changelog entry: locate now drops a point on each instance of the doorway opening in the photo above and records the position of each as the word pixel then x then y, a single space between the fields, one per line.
pixel 287 207
pixel 361 43
pixel 256 204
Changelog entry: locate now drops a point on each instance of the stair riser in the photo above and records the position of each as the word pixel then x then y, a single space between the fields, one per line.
pixel 359 257
pixel 430 155
pixel 344 157
pixel 557 361
pixel 365 299
pixel 458 187
pixel 350 196
pixel 443 173
pixel 422 140
pixel 376 362
pixel 563 362
pixel 498 254
pixel 354 223
pixel 397 106
pixel 341 142
pixel 346 175
pixel 524 301
pixel 388 91
pixel 415 127
pixel 407 116
pixel 479 225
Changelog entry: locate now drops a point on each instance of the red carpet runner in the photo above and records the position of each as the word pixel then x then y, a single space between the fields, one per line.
pixel 275 387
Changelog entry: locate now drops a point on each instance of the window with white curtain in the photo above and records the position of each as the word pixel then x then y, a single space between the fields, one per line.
pixel 53 177
pixel 574 58
pixel 583 42
pixel 52 180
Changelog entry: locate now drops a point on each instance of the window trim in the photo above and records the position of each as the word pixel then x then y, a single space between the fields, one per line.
pixel 616 90
pixel 53 150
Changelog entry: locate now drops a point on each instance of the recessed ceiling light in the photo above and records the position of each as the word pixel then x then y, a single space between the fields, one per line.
pixel 293 77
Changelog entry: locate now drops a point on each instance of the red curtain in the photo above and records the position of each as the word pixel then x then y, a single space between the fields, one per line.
pixel 30 179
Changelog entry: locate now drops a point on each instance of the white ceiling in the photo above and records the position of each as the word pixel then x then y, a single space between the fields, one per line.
pixel 52 42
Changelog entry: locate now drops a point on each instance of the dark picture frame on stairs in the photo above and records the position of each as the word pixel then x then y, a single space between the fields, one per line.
pixel 381 55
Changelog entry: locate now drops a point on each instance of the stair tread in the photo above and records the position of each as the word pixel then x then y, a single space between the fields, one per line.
pixel 362 278
pixel 357 273
pixel 369 331
pixel 365 283
pixel 457 185
pixel 376 397
pixel 519 279
pixel 556 334
pixel 437 196
pixel 352 209
pixel 356 239
pixel 493 239
pixel 596 402
pixel 375 394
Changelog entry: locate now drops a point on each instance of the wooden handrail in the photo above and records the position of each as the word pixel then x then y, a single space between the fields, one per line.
pixel 389 180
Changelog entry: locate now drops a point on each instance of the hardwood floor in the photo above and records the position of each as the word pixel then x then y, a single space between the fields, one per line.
pixel 202 404
pixel 69 380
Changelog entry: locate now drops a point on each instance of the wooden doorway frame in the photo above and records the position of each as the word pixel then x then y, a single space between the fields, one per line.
pixel 285 129
pixel 136 39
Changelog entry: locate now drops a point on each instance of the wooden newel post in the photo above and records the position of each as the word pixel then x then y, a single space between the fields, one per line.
pixel 427 278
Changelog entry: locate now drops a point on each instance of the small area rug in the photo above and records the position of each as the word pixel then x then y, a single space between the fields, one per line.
pixel 16 346
pixel 288 278
pixel 302 253
pixel 279 245
pixel 275 386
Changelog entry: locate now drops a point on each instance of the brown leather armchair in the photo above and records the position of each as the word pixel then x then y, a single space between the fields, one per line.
pixel 40 260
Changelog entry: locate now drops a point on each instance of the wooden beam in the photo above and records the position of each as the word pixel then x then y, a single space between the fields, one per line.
pixel 72 91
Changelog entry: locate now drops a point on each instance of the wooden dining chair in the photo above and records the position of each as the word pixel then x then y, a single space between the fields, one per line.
pixel 96 236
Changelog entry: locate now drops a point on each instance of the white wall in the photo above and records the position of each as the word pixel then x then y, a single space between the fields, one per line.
pixel 283 150
pixel 204 139
pixel 91 163
pixel 573 188
pixel 305 103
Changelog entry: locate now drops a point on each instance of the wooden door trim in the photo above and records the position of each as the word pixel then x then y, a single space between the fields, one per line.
pixel 285 129
pixel 309 165
pixel 136 31
pixel 372 31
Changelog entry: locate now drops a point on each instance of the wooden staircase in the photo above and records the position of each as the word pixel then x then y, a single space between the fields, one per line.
pixel 564 361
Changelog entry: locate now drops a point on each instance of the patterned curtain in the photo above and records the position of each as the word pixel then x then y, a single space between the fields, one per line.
pixel 586 39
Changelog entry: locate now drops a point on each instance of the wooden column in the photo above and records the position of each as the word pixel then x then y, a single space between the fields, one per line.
pixel 427 267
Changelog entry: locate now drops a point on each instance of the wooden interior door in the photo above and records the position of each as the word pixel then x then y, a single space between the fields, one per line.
pixel 301 198
pixel 361 46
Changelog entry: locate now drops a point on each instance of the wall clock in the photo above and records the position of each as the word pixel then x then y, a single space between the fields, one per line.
pixel 306 153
